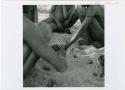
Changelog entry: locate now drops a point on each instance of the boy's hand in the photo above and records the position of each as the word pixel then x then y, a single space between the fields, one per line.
pixel 62 55
pixel 62 51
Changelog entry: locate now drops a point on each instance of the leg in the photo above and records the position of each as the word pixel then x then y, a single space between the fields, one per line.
pixel 86 38
pixel 26 52
pixel 73 17
pixel 30 62
pixel 97 31
pixel 37 41
pixel 81 13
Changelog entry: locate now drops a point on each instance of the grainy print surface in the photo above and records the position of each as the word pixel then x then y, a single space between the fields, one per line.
pixel 84 68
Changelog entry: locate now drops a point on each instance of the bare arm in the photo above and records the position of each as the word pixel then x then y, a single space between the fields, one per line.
pixel 72 10
pixel 76 36
pixel 52 11
pixel 65 13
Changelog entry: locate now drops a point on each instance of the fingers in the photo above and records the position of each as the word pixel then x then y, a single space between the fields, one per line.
pixel 26 52
pixel 30 62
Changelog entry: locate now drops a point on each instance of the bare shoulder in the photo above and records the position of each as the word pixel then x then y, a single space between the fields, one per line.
pixel 91 11
pixel 80 10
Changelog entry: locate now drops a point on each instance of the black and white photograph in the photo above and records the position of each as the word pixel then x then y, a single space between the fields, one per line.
pixel 63 45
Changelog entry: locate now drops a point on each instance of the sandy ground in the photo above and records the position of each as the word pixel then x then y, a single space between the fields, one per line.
pixel 84 68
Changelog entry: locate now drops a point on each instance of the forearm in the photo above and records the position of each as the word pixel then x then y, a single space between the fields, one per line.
pixel 71 15
pixel 51 14
pixel 65 13
pixel 53 17
pixel 48 54
pixel 57 21
pixel 76 36
pixel 72 40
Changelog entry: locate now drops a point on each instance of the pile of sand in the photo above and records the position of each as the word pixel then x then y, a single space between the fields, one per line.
pixel 82 64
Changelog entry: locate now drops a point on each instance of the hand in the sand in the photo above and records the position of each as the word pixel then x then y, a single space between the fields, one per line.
pixel 62 51
pixel 62 55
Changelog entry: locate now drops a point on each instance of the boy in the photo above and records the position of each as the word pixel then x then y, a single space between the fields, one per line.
pixel 92 18
pixel 47 27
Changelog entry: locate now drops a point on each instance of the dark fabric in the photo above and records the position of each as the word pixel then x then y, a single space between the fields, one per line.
pixel 30 11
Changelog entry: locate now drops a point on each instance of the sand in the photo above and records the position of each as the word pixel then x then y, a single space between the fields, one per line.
pixel 79 72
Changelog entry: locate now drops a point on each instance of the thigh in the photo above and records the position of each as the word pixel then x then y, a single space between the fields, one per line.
pixel 96 31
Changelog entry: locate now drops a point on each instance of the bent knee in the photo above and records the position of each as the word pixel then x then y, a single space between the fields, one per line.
pixel 46 29
pixel 80 11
